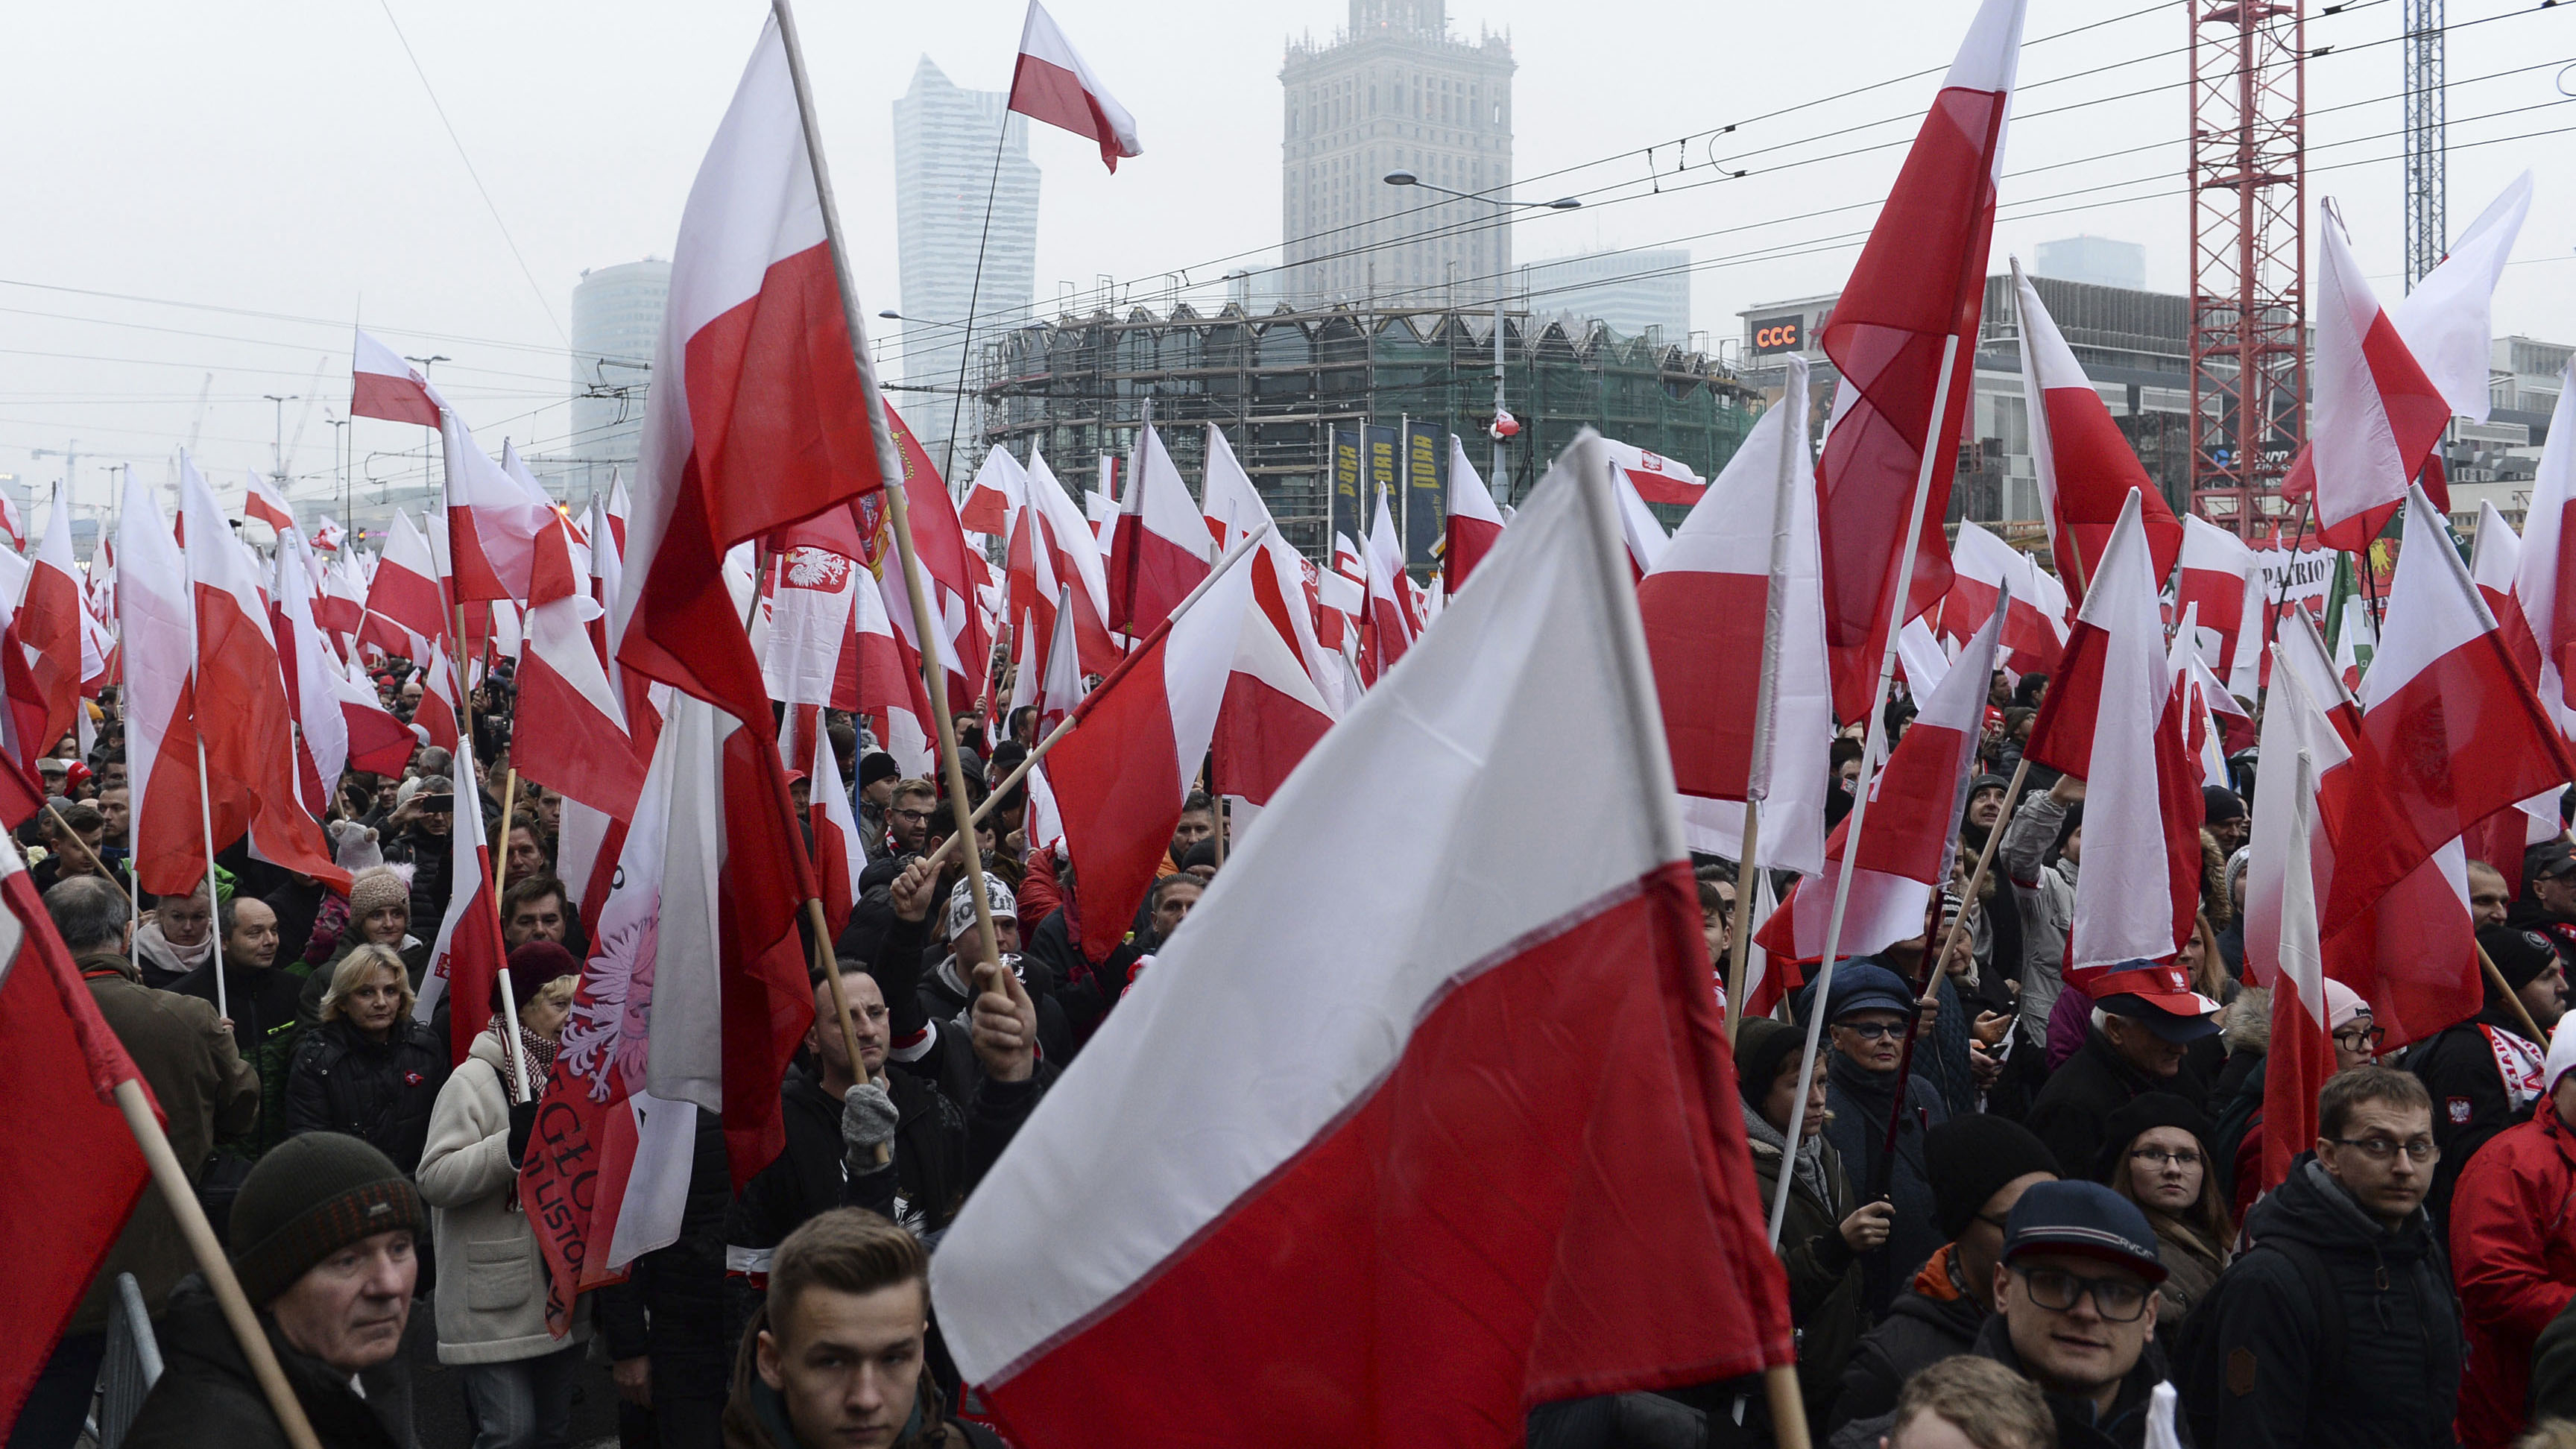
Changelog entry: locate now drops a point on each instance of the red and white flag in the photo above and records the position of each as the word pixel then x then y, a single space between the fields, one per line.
pixel 330 535
pixel 382 385
pixel 1637 523
pixel 311 673
pixel 157 636
pixel 1160 549
pixel 2282 948
pixel 243 718
pixel 2450 734
pixel 2446 320
pixel 1128 765
pixel 52 621
pixel 1526 1223
pixel 262 501
pixel 2377 415
pixel 466 957
pixel 75 1172
pixel 2223 579
pixel 2086 467
pixel 2494 558
pixel 1079 561
pixel 1000 491
pixel 1387 622
pixel 12 522
pixel 1734 563
pixel 2116 718
pixel 495 522
pixel 379 743
pixel 1907 851
pixel 760 415
pixel 839 854
pixel 1984 571
pixel 1474 522
pixel 1654 477
pixel 1235 512
pixel 2544 583
pixel 1921 280
pixel 812 653
pixel 1273 713
pixel 404 595
pixel 1051 84
pixel 571 733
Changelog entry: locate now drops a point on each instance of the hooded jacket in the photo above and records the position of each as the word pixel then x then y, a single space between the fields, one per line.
pixel 206 1394
pixel 2470 1103
pixel 2397 1378
pixel 1933 1319
pixel 2513 1235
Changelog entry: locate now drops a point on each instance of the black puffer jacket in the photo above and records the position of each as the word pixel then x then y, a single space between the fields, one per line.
pixel 379 1091
pixel 2397 1377
pixel 2094 1083
pixel 1824 1274
pixel 1931 1320
pixel 432 860
pixel 672 1304
pixel 206 1394
pixel 2470 1102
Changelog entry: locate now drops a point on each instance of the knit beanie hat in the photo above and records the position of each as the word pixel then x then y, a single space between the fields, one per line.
pixel 878 766
pixel 311 1196
pixel 961 904
pixel 2141 1113
pixel 1969 1159
pixel 373 890
pixel 2519 955
pixel 1761 1047
pixel 532 966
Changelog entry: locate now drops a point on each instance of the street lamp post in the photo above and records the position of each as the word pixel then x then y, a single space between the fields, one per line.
pixel 1503 206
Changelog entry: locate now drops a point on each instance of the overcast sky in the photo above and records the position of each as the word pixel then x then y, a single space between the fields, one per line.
pixel 281 170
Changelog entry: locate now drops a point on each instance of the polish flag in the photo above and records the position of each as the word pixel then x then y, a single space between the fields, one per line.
pixel 263 502
pixel 2450 734
pixel 2378 416
pixel 2282 949
pixel 1920 280
pixel 1474 522
pixel 1654 477
pixel 404 594
pixel 75 1173
pixel 1906 854
pixel 890 687
pixel 1125 769
pixel 2445 321
pixel 310 672
pixel 617 510
pixel 1159 551
pixel 53 623
pixel 2494 559
pixel 1703 609
pixel 1984 571
pixel 761 412
pixel 1525 1222
pixel 467 956
pixel 2115 718
pixel 341 607
pixel 329 537
pixel 1638 525
pixel 1058 693
pixel 434 718
pixel 1386 626
pixel 952 572
pixel 609 1174
pixel 493 523
pixel 22 720
pixel 838 854
pixel 1051 84
pixel 571 731
pixel 1032 593
pixel 1273 712
pixel 1235 512
pixel 2544 583
pixel 1079 561
pixel 157 636
pixel 2223 579
pixel 378 743
pixel 384 386
pixel 1001 490
pixel 812 654
pixel 2086 467
pixel 242 711
pixel 13 522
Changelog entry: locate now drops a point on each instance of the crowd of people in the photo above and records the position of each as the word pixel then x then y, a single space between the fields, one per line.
pixel 2013 1211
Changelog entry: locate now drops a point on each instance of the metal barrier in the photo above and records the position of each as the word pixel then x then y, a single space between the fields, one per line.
pixel 132 1367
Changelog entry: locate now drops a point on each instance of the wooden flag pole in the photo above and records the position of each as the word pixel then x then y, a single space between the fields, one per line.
pixel 238 1315
pixel 1788 1408
pixel 2520 1011
pixel 1873 743
pixel 1985 859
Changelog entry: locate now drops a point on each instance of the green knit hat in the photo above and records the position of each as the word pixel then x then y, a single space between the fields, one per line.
pixel 311 1196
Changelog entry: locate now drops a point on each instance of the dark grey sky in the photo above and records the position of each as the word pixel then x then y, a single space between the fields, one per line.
pixel 285 161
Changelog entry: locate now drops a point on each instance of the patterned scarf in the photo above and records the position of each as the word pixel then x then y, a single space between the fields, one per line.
pixel 540 1050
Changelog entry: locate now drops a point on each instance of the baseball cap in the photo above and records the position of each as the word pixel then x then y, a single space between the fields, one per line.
pixel 1867 986
pixel 2084 1218
pixel 2180 1017
pixel 2549 859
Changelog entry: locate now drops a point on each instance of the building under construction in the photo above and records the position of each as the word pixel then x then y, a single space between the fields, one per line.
pixel 1282 385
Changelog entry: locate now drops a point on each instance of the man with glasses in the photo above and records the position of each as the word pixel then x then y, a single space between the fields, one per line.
pixel 2338 1326
pixel 2136 1044
pixel 2484 1073
pixel 2513 1237
pixel 2075 1311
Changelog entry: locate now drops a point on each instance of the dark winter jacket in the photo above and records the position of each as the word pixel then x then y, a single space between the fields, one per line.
pixel 262 1001
pixel 2079 1425
pixel 1860 1100
pixel 2396 1378
pixel 756 1418
pixel 2095 1082
pixel 206 1394
pixel 672 1305
pixel 432 860
pixel 1824 1274
pixel 2470 1101
pixel 379 1091
pixel 1931 1320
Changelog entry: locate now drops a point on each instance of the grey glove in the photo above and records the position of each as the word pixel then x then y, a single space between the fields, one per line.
pixel 868 1118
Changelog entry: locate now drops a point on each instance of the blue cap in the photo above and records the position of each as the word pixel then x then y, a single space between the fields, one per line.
pixel 1864 985
pixel 2084 1218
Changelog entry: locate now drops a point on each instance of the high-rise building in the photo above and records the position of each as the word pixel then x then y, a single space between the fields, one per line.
pixel 948 144
pixel 616 324
pixel 1638 292
pixel 2098 260
pixel 1395 92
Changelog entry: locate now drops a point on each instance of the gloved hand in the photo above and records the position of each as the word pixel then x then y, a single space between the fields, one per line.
pixel 523 1120
pixel 868 1118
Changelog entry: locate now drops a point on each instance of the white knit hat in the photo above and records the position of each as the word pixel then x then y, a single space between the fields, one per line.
pixel 2562 1053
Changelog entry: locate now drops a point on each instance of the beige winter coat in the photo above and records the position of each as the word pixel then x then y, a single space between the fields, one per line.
pixel 491 1279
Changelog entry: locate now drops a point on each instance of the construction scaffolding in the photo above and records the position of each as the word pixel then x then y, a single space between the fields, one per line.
pixel 1279 385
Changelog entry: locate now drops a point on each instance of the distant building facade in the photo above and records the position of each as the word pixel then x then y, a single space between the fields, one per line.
pixel 2097 260
pixel 945 167
pixel 1639 292
pixel 1395 92
pixel 616 324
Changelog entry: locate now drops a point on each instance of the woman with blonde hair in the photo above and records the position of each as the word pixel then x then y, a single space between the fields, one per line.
pixel 368 1069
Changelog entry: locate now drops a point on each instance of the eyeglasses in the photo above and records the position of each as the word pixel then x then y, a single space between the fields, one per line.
pixel 913 814
pixel 2354 1038
pixel 1871 1030
pixel 2379 1149
pixel 2120 1300
pixel 2158 1157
